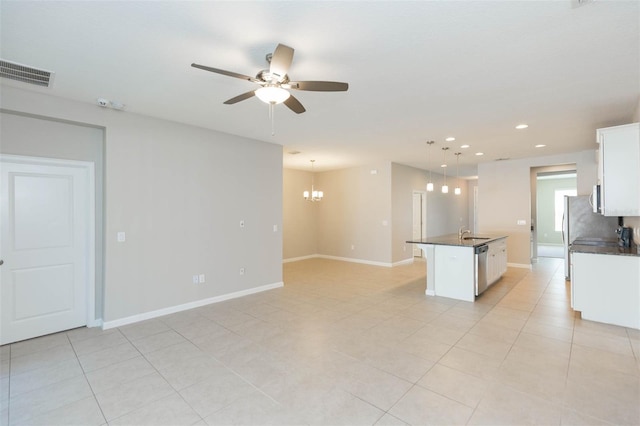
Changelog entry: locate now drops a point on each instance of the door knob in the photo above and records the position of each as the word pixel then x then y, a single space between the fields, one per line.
pixel 1 262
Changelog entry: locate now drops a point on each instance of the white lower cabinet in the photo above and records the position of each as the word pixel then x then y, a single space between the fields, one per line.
pixel 497 260
pixel 606 288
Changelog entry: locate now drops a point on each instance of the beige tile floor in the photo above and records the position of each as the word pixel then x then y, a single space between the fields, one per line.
pixel 340 344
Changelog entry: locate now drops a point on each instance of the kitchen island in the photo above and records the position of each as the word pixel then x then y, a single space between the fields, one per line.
pixel 461 267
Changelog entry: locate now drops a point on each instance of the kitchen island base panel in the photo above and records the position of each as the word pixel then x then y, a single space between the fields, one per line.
pixel 451 264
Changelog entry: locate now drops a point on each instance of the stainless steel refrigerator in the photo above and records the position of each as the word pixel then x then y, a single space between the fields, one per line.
pixel 579 221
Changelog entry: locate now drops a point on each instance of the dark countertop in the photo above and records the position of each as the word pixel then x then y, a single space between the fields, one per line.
pixel 607 249
pixel 453 240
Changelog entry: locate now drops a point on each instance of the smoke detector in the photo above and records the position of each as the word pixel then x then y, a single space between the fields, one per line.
pixel 106 103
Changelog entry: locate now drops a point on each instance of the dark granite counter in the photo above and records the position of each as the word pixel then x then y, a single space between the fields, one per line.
pixel 454 240
pixel 609 249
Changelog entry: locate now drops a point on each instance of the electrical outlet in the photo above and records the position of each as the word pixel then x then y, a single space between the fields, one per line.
pixel 353 247
pixel 195 279
pixel 242 224
pixel 241 271
pixel 275 228
pixel 201 278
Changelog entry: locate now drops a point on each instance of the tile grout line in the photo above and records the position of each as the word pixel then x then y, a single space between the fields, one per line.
pixel 84 373
pixel 156 371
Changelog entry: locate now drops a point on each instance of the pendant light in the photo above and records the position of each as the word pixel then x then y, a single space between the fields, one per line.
pixel 457 190
pixel 445 188
pixel 430 183
pixel 315 195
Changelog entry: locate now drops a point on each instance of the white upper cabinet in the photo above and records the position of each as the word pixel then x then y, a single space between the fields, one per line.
pixel 619 169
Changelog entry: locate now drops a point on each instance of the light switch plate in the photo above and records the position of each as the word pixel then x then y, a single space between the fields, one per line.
pixel 521 222
pixel 121 236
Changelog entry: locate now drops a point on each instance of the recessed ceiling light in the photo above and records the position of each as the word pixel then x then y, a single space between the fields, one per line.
pixel 450 139
pixel 479 153
pixel 522 126
pixel 540 145
pixel 464 146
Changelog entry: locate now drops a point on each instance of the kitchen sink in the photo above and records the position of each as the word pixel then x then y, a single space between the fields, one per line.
pixel 475 238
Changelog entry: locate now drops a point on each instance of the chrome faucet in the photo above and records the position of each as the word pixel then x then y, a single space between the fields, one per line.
pixel 462 231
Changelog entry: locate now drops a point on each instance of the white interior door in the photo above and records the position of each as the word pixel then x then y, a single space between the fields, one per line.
pixel 47 242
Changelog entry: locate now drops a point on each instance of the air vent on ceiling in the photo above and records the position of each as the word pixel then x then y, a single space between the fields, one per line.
pixel 26 74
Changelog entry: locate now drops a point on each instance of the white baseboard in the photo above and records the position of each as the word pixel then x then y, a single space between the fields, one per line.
pixel 352 260
pixel 520 265
pixel 349 259
pixel 403 262
pixel 94 323
pixel 179 308
pixel 295 259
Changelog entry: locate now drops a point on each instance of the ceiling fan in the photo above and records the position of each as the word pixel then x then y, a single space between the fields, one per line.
pixel 274 82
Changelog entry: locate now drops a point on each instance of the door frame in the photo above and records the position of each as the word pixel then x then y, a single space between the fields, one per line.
pixel 89 169
pixel 533 196
pixel 423 215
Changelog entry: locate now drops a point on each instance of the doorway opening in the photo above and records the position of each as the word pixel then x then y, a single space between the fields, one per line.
pixel 549 187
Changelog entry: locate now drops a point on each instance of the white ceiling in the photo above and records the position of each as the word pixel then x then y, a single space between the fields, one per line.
pixel 417 71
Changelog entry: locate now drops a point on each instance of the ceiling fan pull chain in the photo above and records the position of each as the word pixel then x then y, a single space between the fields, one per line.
pixel 272 113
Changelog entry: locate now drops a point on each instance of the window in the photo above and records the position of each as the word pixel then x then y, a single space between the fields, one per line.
pixel 559 205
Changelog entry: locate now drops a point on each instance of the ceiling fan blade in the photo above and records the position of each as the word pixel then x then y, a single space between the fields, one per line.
pixel 319 86
pixel 281 61
pixel 224 72
pixel 240 97
pixel 294 105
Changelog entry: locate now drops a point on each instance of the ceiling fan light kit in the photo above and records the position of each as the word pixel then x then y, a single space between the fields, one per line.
pixel 272 94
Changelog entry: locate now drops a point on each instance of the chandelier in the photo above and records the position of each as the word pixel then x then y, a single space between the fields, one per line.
pixel 314 195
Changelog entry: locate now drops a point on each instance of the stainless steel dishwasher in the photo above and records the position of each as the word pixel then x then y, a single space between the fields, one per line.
pixel 481 259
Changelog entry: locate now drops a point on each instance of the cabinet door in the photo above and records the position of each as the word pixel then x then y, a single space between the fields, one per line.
pixel 503 259
pixel 455 272
pixel 606 288
pixel 620 179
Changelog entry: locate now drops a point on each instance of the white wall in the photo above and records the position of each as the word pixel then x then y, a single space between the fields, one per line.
pixel 299 216
pixel 445 212
pixel 373 212
pixel 355 205
pixel 502 202
pixel 179 192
